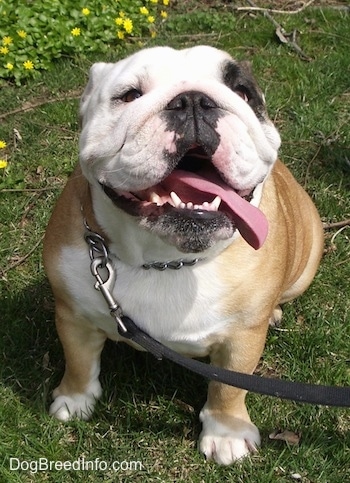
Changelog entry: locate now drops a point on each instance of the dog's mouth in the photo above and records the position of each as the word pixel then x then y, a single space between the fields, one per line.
pixel 196 189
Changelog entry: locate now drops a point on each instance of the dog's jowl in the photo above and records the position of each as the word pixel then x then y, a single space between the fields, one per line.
pixel 178 162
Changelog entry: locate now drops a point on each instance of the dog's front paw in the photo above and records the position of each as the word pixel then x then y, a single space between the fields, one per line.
pixel 228 439
pixel 81 406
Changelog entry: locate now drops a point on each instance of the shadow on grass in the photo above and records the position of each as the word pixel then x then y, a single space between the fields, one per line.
pixel 137 389
pixel 335 157
pixel 140 394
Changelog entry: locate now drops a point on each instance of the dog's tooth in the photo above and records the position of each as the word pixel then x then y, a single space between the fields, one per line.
pixel 155 198
pixel 178 203
pixel 176 200
pixel 215 203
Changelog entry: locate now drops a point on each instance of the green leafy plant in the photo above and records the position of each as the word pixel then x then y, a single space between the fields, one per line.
pixel 3 159
pixel 34 33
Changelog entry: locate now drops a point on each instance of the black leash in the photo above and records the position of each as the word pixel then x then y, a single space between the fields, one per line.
pixel 294 391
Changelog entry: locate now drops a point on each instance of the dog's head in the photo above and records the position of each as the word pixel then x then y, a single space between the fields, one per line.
pixel 181 141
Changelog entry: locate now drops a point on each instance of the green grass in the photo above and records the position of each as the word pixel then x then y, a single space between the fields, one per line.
pixel 149 410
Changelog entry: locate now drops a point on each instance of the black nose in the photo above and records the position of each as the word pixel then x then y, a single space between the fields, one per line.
pixel 191 103
pixel 193 116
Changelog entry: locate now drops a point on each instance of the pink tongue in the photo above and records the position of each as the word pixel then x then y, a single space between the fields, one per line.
pixel 249 220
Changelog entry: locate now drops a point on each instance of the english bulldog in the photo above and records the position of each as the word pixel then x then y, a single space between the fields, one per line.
pixel 178 168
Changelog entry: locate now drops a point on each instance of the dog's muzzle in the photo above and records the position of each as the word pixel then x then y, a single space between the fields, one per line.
pixel 192 206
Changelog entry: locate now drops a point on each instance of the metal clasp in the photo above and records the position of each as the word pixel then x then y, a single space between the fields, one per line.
pixel 106 287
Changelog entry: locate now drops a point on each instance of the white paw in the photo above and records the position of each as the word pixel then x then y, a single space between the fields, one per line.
pixel 276 317
pixel 227 440
pixel 81 406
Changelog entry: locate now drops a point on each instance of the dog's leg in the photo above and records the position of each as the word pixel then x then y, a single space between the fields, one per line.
pixel 228 433
pixel 80 387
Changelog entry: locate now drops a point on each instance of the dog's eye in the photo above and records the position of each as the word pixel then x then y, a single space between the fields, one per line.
pixel 243 93
pixel 131 95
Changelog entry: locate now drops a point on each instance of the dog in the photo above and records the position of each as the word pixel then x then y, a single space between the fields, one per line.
pixel 179 168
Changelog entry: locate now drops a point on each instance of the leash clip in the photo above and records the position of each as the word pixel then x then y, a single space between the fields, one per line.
pixel 101 261
pixel 106 288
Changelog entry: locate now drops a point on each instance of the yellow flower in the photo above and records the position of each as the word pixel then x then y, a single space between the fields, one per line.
pixel 6 40
pixel 128 26
pixel 166 2
pixel 9 66
pixel 120 35
pixel 3 164
pixel 28 64
pixel 4 50
pixel 144 10
pixel 154 1
pixel 85 11
pixel 22 34
pixel 163 14
pixel 151 19
pixel 75 32
pixel 122 14
pixel 119 21
pixel 153 34
pixel 2 144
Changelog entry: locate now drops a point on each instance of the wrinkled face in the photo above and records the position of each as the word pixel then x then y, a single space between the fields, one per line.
pixel 181 141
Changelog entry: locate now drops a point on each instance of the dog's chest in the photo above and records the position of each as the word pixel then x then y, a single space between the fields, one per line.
pixel 180 308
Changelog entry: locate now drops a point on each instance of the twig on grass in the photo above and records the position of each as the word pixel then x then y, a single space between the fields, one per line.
pixel 30 190
pixel 21 260
pixel 33 104
pixel 309 166
pixel 283 36
pixel 342 262
pixel 338 224
pixel 254 8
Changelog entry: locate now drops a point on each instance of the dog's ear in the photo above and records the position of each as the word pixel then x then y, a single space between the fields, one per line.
pixel 246 67
pixel 97 72
pixel 247 74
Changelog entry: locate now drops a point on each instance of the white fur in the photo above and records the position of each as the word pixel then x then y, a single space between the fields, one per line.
pixel 226 443
pixel 179 308
pixel 124 143
pixel 79 406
